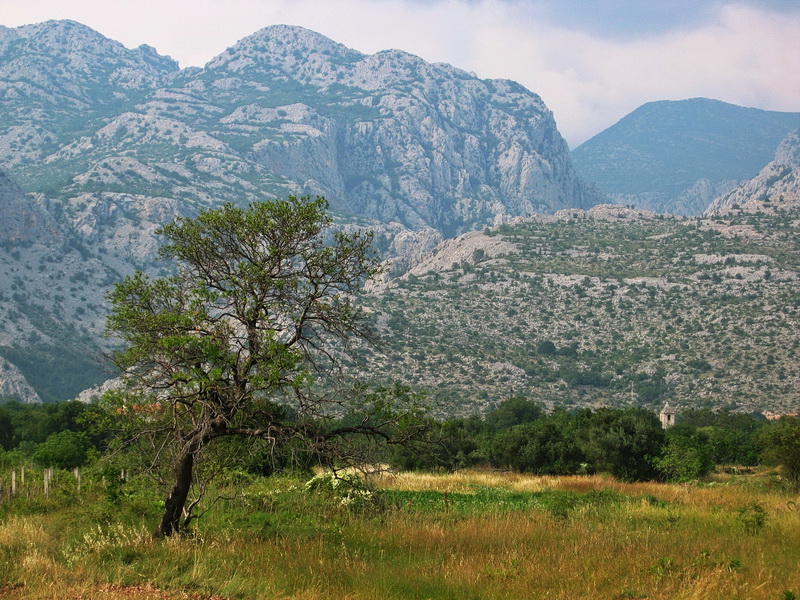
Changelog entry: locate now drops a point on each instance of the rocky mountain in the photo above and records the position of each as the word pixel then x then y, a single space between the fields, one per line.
pixel 611 306
pixel 51 310
pixel 59 79
pixel 100 144
pixel 387 136
pixel 775 189
pixel 677 157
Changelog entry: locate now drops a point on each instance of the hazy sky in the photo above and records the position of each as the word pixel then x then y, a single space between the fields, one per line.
pixel 592 61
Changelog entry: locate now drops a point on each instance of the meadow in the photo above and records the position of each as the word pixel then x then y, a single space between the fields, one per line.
pixel 466 535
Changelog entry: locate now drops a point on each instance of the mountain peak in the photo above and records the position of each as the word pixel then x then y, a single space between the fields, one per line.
pixel 66 39
pixel 62 35
pixel 658 155
pixel 284 45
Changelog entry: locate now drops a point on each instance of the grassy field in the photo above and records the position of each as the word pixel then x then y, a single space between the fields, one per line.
pixel 460 536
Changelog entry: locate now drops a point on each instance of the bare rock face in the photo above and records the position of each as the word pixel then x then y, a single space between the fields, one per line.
pixel 13 385
pixel 386 136
pixel 100 145
pixel 392 137
pixel 788 153
pixel 775 188
pixel 22 220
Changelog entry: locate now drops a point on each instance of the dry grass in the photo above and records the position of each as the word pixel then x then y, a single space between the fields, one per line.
pixel 657 542
pixel 465 481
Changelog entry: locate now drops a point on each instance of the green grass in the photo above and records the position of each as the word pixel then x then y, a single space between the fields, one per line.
pixel 491 536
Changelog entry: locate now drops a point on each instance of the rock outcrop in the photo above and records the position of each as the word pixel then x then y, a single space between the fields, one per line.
pixel 775 188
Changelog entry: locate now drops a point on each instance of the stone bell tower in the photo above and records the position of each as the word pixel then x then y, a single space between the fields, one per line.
pixel 667 416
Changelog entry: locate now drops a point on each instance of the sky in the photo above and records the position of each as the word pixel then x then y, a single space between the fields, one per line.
pixel 592 61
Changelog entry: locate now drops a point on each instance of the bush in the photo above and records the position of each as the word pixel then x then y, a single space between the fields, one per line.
pixel 64 450
pixel 347 488
pixel 685 458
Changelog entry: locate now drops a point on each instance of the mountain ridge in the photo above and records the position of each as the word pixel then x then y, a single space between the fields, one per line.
pixel 677 156
pixel 111 143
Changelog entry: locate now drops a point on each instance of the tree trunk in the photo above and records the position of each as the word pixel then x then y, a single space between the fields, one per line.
pixel 176 500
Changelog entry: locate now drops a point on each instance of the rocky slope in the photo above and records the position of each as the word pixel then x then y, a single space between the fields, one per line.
pixel 100 144
pixel 775 189
pixel 613 306
pixel 59 78
pixel 677 157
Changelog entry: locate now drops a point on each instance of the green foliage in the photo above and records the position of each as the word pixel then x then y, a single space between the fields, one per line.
pixel 781 445
pixel 64 450
pixel 624 443
pixel 7 438
pixel 514 411
pixel 546 348
pixel 686 456
pixel 31 424
pixel 544 447
pixel 753 518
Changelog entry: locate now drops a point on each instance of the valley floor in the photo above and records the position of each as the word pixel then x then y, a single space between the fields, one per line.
pixel 481 535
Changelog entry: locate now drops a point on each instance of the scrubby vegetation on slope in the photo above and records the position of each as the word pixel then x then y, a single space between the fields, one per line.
pixel 632 309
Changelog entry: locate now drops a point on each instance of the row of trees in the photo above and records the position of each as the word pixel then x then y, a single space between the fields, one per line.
pixel 518 435
pixel 51 435
pixel 628 443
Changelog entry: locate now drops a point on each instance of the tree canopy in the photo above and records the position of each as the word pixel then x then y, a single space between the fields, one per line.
pixel 227 346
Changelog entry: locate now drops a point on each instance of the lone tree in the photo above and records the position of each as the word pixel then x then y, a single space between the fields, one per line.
pixel 218 351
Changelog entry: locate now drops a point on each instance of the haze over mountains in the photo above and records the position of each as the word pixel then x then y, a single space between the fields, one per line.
pixel 100 144
pixel 678 156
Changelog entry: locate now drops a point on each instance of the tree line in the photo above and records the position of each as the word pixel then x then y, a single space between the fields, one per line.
pixel 518 435
pixel 628 443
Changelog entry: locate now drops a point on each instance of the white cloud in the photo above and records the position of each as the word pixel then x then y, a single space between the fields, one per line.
pixel 589 75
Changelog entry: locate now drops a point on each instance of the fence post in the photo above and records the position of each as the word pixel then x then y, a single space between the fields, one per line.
pixel 78 477
pixel 13 482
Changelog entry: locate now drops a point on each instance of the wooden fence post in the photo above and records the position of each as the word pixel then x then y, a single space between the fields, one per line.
pixel 13 482
pixel 77 472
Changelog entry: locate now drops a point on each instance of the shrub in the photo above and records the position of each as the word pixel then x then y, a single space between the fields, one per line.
pixel 64 450
pixel 348 489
